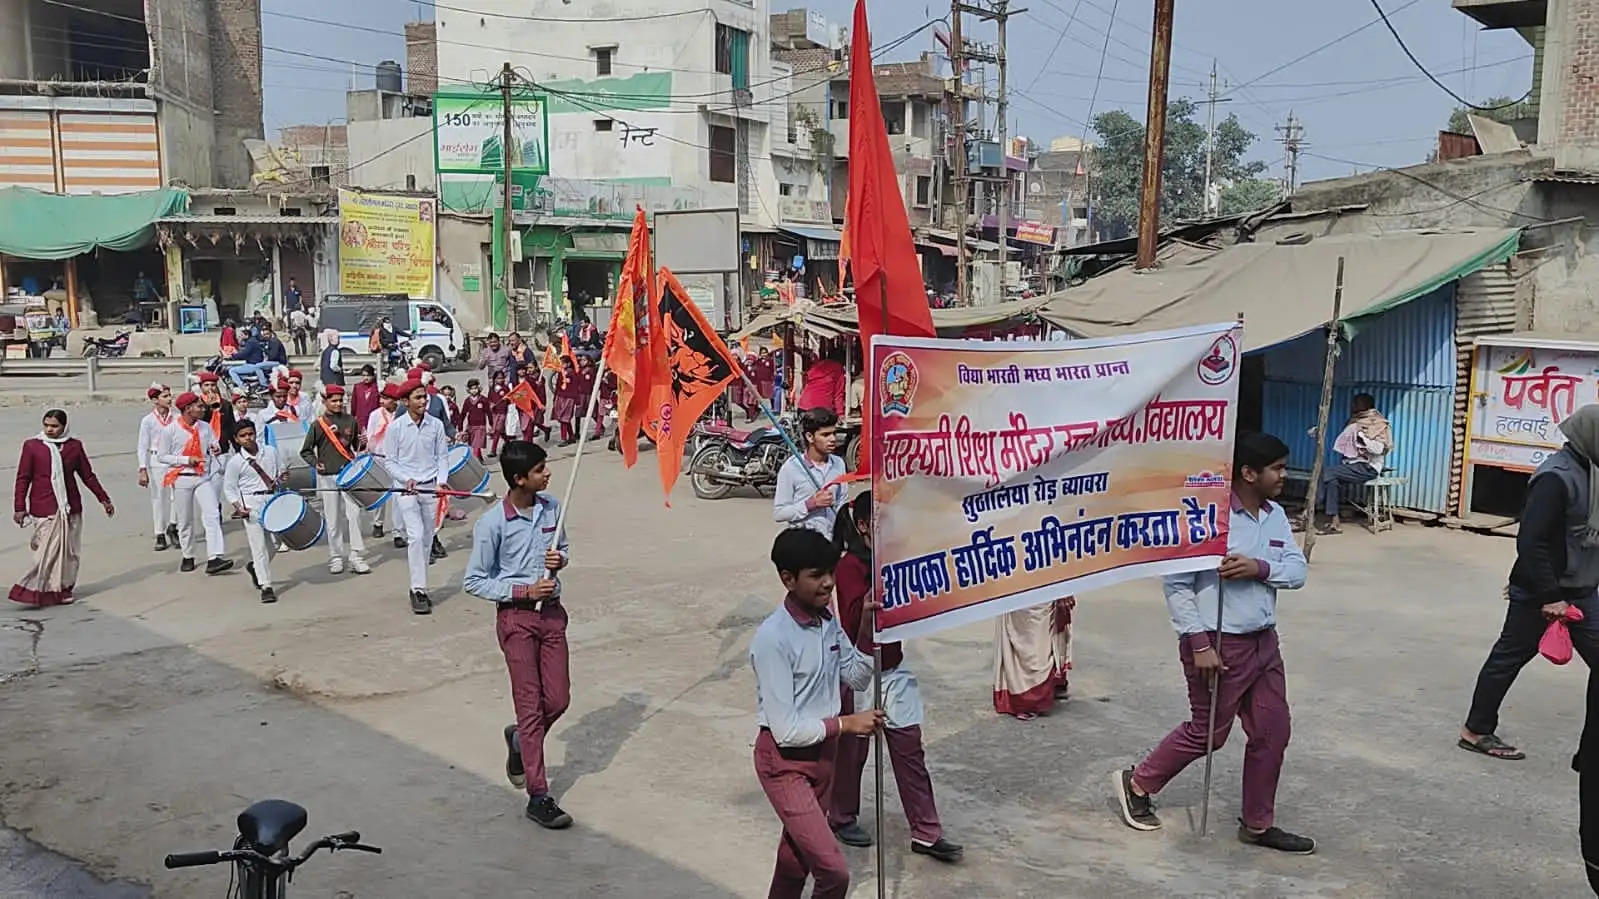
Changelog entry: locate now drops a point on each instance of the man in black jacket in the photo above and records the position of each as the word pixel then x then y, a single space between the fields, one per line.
pixel 330 442
pixel 1557 565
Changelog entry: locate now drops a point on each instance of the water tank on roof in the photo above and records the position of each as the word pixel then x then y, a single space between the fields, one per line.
pixel 388 76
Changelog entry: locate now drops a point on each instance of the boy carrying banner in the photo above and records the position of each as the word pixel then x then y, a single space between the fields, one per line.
pixel 800 656
pixel 516 552
pixel 1262 558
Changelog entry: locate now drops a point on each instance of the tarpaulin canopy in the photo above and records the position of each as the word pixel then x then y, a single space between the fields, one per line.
pixel 836 319
pixel 1282 290
pixel 37 225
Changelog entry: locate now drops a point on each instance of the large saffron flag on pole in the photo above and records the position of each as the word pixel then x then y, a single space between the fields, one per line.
pixel 889 297
pixel 634 369
pixel 699 367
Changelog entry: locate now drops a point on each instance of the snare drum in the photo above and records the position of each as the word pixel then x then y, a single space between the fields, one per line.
pixel 467 473
pixel 295 522
pixel 287 437
pixel 367 481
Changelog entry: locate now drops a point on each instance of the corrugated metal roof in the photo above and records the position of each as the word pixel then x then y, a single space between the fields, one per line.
pixel 250 219
pixel 1569 178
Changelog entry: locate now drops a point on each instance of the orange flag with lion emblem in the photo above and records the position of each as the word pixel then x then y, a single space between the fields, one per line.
pixel 699 367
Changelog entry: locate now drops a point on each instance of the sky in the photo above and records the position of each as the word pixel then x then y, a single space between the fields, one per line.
pixel 1361 102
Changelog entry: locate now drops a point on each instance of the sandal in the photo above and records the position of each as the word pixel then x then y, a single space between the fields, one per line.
pixel 1493 747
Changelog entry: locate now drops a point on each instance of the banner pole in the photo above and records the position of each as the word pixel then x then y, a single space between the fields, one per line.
pixel 577 459
pixel 877 651
pixel 1323 412
pixel 1210 727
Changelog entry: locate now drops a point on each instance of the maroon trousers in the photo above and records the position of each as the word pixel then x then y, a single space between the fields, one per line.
pixel 910 775
pixel 1253 688
pixel 534 644
pixel 798 783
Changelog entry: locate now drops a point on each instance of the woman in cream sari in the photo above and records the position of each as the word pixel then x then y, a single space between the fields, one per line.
pixel 48 472
pixel 1033 653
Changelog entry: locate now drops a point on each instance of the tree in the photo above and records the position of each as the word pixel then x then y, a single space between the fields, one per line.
pixel 1118 161
pixel 1509 112
pixel 1249 195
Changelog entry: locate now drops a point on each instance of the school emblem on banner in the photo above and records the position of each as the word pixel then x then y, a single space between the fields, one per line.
pixel 1217 365
pixel 897 384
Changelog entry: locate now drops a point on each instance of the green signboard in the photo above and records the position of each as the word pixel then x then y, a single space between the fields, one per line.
pixel 469 134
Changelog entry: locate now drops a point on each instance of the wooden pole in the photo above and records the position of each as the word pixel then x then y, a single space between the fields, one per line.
pixel 1323 412
pixel 877 651
pixel 1154 135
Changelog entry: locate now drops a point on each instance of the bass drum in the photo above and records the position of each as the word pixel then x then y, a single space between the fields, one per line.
pixel 296 522
pixel 367 482
pixel 287 437
pixel 467 474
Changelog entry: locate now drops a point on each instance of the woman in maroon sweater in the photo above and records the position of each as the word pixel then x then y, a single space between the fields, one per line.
pixel 47 491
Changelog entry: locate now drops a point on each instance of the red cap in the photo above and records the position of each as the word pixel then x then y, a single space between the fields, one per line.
pixel 207 377
pixel 405 390
pixel 155 391
pixel 333 390
pixel 415 374
pixel 186 399
pixel 295 373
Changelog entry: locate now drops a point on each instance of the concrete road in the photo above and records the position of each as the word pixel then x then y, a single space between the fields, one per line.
pixel 140 720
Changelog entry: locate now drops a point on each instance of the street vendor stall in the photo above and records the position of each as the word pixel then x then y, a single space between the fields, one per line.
pixel 1522 386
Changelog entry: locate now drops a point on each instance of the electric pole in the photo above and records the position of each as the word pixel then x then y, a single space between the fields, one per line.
pixel 1003 221
pixel 506 154
pixel 1154 135
pixel 1293 141
pixel 957 64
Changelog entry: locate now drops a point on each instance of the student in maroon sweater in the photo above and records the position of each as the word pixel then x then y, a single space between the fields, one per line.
pixel 48 472
pixel 902 702
pixel 475 416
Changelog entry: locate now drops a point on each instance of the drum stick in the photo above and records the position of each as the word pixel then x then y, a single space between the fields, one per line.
pixel 431 491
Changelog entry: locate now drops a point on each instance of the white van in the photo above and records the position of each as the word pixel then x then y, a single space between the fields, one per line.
pixel 436 336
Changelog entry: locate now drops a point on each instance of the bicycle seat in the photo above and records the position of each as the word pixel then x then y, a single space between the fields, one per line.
pixel 270 824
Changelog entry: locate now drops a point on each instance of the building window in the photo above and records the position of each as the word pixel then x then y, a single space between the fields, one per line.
pixel 602 60
pixel 784 190
pixel 319 173
pixel 894 116
pixel 1080 212
pixel 841 109
pixel 602 124
pixel 733 55
pixel 724 163
pixel 924 190
pixel 919 119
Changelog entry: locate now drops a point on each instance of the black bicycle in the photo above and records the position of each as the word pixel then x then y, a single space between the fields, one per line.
pixel 260 856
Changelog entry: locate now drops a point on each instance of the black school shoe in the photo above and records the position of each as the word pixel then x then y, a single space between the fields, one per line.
pixel 268 596
pixel 186 565
pixel 254 581
pixel 514 772
pixel 1278 839
pixel 420 604
pixel 399 543
pixel 217 565
pixel 853 835
pixel 160 542
pixel 172 534
pixel 543 811
pixel 377 532
pixel 438 551
pixel 943 850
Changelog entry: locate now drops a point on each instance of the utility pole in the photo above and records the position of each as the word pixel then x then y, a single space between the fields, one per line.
pixel 1000 15
pixel 1154 135
pixel 957 64
pixel 506 76
pixel 1293 141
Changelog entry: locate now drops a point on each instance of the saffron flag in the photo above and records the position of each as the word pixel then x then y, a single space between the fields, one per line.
pixel 523 397
pixel 634 372
pixel 566 349
pixel 552 359
pixel 889 296
pixel 699 367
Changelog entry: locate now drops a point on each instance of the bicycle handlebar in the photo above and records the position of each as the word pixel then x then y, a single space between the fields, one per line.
pixel 193 859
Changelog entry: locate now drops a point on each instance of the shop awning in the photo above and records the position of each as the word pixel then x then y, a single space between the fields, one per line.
pixel 820 243
pixel 37 225
pixel 836 319
pixel 1282 290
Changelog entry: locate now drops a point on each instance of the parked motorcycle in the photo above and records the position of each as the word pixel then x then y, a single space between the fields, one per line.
pixel 107 348
pixel 726 457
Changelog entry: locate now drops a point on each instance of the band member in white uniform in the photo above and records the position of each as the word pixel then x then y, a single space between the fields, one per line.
pixel 151 471
pixel 329 446
pixel 376 436
pixel 252 475
pixel 416 459
pixel 278 408
pixel 189 452
pixel 303 401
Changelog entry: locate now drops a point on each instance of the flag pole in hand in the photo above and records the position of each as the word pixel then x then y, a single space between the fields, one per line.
pixel 577 459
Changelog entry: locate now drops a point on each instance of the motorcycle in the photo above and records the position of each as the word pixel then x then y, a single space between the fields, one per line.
pixel 107 348
pixel 257 391
pixel 726 457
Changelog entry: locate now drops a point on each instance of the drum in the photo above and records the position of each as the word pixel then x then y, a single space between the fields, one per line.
pixel 295 522
pixel 367 481
pixel 287 437
pixel 467 473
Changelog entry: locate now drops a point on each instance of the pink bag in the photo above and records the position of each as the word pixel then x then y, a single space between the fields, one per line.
pixel 1555 645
